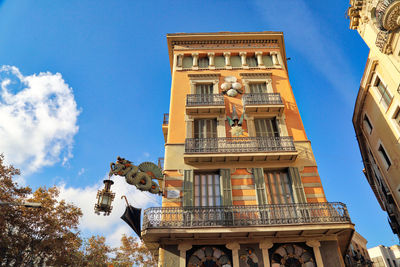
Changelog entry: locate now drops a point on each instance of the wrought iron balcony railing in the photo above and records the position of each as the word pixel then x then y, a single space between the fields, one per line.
pixel 272 214
pixel 166 118
pixel 204 100
pixel 262 99
pixel 239 144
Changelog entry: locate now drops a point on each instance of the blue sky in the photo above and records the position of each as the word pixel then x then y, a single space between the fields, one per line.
pixel 105 82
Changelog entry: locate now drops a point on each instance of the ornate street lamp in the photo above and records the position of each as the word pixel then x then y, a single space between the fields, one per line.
pixel 104 199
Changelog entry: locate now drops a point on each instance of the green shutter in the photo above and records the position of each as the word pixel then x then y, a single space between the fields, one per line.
pixel 297 185
pixel 187 62
pixel 188 188
pixel 259 183
pixel 226 187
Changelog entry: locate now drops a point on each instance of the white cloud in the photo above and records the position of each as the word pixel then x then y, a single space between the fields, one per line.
pixel 38 119
pixel 111 226
pixel 81 171
pixel 315 41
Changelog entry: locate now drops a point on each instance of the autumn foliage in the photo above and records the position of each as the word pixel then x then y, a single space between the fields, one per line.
pixel 50 236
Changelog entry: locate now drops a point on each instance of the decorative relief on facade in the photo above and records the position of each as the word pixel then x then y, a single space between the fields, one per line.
pixel 236 124
pixel 250 256
pixel 223 44
pixel 391 17
pixel 231 87
pixel 292 255
pixel 209 256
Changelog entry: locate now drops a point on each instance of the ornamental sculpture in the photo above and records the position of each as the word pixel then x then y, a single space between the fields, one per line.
pixel 140 176
pixel 231 87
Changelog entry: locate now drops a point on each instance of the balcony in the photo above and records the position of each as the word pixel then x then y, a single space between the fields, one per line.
pixel 263 103
pixel 165 126
pixel 239 149
pixel 205 104
pixel 232 222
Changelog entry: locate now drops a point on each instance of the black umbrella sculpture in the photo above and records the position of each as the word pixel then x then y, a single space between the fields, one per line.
pixel 140 176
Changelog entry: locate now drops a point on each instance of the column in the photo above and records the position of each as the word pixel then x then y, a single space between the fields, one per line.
pixel 243 56
pixel 250 125
pixel 182 249
pixel 275 60
pixel 221 126
pixel 265 245
pixel 234 246
pixel 317 253
pixel 260 62
pixel 269 86
pixel 211 60
pixel 195 60
pixel 179 62
pixel 227 56
pixel 189 127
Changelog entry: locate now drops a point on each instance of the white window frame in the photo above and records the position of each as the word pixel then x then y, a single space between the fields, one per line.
pixel 261 79
pixel 195 79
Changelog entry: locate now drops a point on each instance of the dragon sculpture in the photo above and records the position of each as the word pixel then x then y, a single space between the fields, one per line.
pixel 140 176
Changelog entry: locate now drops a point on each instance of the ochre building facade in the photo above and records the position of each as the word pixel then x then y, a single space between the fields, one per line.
pixel 241 184
pixel 376 116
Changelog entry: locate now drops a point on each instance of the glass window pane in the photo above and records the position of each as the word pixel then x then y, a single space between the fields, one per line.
pixel 187 62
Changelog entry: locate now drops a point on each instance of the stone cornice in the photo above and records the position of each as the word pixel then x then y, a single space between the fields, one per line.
pixel 204 76
pixel 249 75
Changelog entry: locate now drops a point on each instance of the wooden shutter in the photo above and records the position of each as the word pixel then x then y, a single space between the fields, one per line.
pixel 226 187
pixel 258 88
pixel 297 185
pixel 188 188
pixel 258 174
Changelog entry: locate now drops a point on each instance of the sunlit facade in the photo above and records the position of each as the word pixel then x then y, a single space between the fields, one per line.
pixel 241 185
pixel 376 116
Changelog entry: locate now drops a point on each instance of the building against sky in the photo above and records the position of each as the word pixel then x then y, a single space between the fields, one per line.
pixel 385 256
pixel 357 253
pixel 376 116
pixel 241 184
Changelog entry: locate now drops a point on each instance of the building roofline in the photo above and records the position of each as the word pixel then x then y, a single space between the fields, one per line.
pixel 218 36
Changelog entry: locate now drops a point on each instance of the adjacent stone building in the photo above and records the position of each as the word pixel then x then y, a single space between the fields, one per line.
pixel 376 116
pixel 241 184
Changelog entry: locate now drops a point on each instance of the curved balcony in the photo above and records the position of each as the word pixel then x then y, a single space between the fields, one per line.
pixel 205 104
pixel 223 149
pixel 263 103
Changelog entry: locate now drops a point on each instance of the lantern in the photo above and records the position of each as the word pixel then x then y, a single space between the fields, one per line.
pixel 104 199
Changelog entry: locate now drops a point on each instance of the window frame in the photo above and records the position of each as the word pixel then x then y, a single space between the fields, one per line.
pixel 383 156
pixel 215 186
pixel 382 101
pixel 367 123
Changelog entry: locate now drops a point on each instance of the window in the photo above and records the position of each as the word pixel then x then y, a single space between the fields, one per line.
pixel 266 127
pixel 396 116
pixel 219 61
pixel 384 156
pixel 278 186
pixel 258 88
pixel 204 88
pixel 236 61
pixel 203 62
pixel 382 89
pixel 187 62
pixel 205 128
pixel 251 61
pixel 367 124
pixel 207 190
